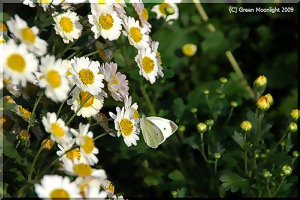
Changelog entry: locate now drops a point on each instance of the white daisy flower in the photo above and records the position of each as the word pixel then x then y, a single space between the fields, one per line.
pixel 67 64
pixel 76 168
pixel 100 6
pixel 147 62
pixel 18 63
pixel 107 24
pixel 134 107
pixel 84 138
pixel 90 187
pixel 109 188
pixel 137 35
pixel 154 48
pixel 66 153
pixel 125 126
pixel 142 14
pixel 67 26
pixel 27 35
pixel 116 82
pixel 57 128
pixel 160 11
pixel 91 107
pixel 86 75
pixel 57 187
pixel 55 82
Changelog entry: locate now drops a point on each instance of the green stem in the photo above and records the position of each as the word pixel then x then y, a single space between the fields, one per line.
pixel 202 148
pixel 34 161
pixel 90 54
pixel 279 186
pixel 145 95
pixel 32 114
pixel 61 105
pixel 100 136
pixel 78 109
pixel 268 188
pixel 230 115
pixel 216 166
pixel 287 141
pixel 245 154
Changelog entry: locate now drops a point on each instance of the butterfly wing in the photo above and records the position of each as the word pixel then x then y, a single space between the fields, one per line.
pixel 151 133
pixel 166 126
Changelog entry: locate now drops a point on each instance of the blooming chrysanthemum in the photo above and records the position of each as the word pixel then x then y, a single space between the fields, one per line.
pixel 161 10
pixel 109 187
pixel 93 102
pixel 154 48
pixel 106 23
pixel 57 187
pixel 125 125
pixel 18 63
pixel 84 138
pixel 134 107
pixel 147 62
pixel 77 168
pixel 54 79
pixel 68 152
pixel 86 75
pixel 136 34
pixel 27 35
pixel 142 14
pixel 116 82
pixel 67 26
pixel 57 128
pixel 90 187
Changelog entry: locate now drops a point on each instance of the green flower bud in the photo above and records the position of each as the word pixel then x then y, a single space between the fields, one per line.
pixel 201 127
pixel 263 155
pixel 293 127
pixel 295 154
pixel 282 144
pixel 217 155
pixel 268 151
pixel 256 155
pixel 174 193
pixel 223 80
pixel 209 122
pixel 194 110
pixel 286 170
pixel 206 92
pixel 169 10
pixel 181 128
pixel 234 104
pixel 218 91
pixel 295 114
pixel 222 96
pixel 246 126
pixel 267 174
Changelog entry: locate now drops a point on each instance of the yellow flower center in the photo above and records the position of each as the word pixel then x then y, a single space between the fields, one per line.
pixel 115 81
pixel 82 169
pixel 135 114
pixel 145 14
pixel 126 126
pixel 86 76
pixel 73 153
pixel 148 64
pixel 83 96
pixel 162 8
pixel 189 49
pixel 106 21
pixel 88 145
pixel 111 187
pixel 66 24
pixel 25 112
pixel 101 1
pixel 57 130
pixel 135 34
pixel 43 1
pixel 59 194
pixel 16 62
pixel 28 35
pixel 53 78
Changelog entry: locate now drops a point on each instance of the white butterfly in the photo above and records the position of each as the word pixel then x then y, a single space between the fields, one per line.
pixel 156 130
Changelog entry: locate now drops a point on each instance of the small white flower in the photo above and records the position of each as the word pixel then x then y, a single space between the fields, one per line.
pixel 67 64
pixel 54 80
pixel 160 12
pixel 125 125
pixel 76 168
pixel 137 35
pixel 154 48
pixel 116 82
pixel 91 107
pixel 57 128
pixel 90 187
pixel 19 64
pixel 67 26
pixel 84 138
pixel 106 23
pixel 86 75
pixel 27 35
pixel 142 14
pixel 147 62
pixel 134 107
pixel 66 153
pixel 57 187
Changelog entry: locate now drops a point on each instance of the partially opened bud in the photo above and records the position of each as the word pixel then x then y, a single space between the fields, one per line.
pixel 189 49
pixel 263 103
pixel 295 114
pixel 201 127
pixel 246 126
pixel 47 144
pixel 260 82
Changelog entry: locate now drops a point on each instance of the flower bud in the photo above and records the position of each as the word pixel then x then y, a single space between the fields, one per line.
pixel 174 193
pixel 189 49
pixel 181 128
pixel 293 127
pixel 295 154
pixel 260 82
pixel 209 122
pixel 267 174
pixel 201 127
pixel 47 144
pixel 263 103
pixel 263 155
pixel 194 110
pixel 270 98
pixel 234 104
pixel 295 114
pixel 286 170
pixel 222 96
pixel 223 80
pixel 282 144
pixel 23 135
pixel 206 92
pixel 217 156
pixel 246 126
pixel 169 10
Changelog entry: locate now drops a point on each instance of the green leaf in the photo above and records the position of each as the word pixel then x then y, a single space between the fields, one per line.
pixel 150 180
pixel 181 192
pixel 214 43
pixel 168 73
pixel 234 182
pixel 134 74
pixel 238 138
pixel 176 175
pixel 191 141
pixel 178 107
